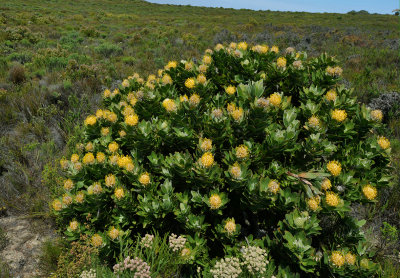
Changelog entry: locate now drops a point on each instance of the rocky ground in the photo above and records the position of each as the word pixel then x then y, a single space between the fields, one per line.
pixel 22 245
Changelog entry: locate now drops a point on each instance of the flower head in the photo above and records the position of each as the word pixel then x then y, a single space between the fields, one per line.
pixel 297 64
pixel 217 113
pixel 89 147
pixel 235 171
pixel 207 59
pixel 125 83
pixel 215 201
pixel 190 83
pixel 203 68
pixel 339 115
pixel 105 131
pixel 242 46
pixel 110 180
pixel 57 205
pixel 132 120
pixel 337 258
pixel 171 64
pixel 100 157
pixel 183 98
pixel 275 99
pixel 166 79
pixel 281 62
pixel 314 122
pixel 275 49
pixel 80 197
pixel 73 225
pixel 230 226
pixel 201 78
pixel 194 100
pixel 273 186
pixel 237 114
pixel 90 120
pixel 205 144
pixel 96 240
pixel 377 115
pixel 68 184
pixel 369 192
pixel 313 203
pixel 119 193
pixel 88 158
pixel 113 233
pixel 144 178
pixel 74 158
pixel 326 184
pixel 169 105
pixel 67 199
pixel 331 95
pixel 113 147
pixel 230 90
pixel 334 167
pixel 350 258
pixel 383 142
pixel 242 151
pixel 332 199
pixel 207 160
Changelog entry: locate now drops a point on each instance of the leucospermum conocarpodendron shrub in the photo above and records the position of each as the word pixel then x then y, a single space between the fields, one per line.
pixel 254 146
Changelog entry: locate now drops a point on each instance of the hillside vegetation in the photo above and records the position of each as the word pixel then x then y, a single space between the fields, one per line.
pixel 57 56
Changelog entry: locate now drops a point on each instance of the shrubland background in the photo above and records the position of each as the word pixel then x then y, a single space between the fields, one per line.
pixel 56 56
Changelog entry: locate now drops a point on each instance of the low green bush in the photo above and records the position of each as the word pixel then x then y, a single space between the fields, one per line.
pixel 254 157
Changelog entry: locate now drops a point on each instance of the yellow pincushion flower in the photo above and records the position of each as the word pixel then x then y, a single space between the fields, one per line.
pixel 297 64
pixel 207 59
pixel 112 117
pixel 201 78
pixel 242 46
pixel 57 205
pixel 171 64
pixel 169 105
pixel 110 180
pixel 281 62
pixel 106 93
pixel 337 258
pixel 275 49
pixel 350 258
pixel 334 167
pixel 160 72
pixel 275 99
pixel 194 100
pixel 78 166
pixel 235 171
pixel 128 110
pixel 230 90
pixel 132 120
pixel 233 45
pixel 89 146
pixel 166 79
pixel 339 115
pixel 207 159
pixel 96 240
pixel 105 131
pixel 218 47
pixel 68 184
pixel 88 158
pixel 331 95
pixel 326 184
pixel 185 252
pixel 237 114
pixel 217 113
pixel 100 157
pixel 313 122
pixel 215 201
pixel 242 151
pixel 144 178
pixel 113 147
pixel 119 193
pixel 230 226
pixel 115 92
pixel 230 107
pixel 74 158
pixel 96 187
pixel 273 186
pixel 67 199
pixel 377 115
pixel 188 66
pixel 206 144
pixel 122 133
pixel 73 225
pixel 183 98
pixel 190 83
pixel 64 163
pixel 203 68
pixel 332 199
pixel 113 233
pixel 80 197
pixel 313 203
pixel 383 142
pixel 369 192
pixel 125 83
pixel 90 120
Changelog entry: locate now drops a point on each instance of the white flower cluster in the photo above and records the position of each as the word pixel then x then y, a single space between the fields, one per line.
pixel 226 268
pixel 137 265
pixel 88 274
pixel 254 259
pixel 147 241
pixel 176 243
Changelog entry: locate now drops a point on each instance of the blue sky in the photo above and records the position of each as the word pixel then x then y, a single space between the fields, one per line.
pixel 330 6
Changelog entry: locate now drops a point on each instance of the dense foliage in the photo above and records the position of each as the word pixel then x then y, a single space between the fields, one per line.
pixel 253 147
